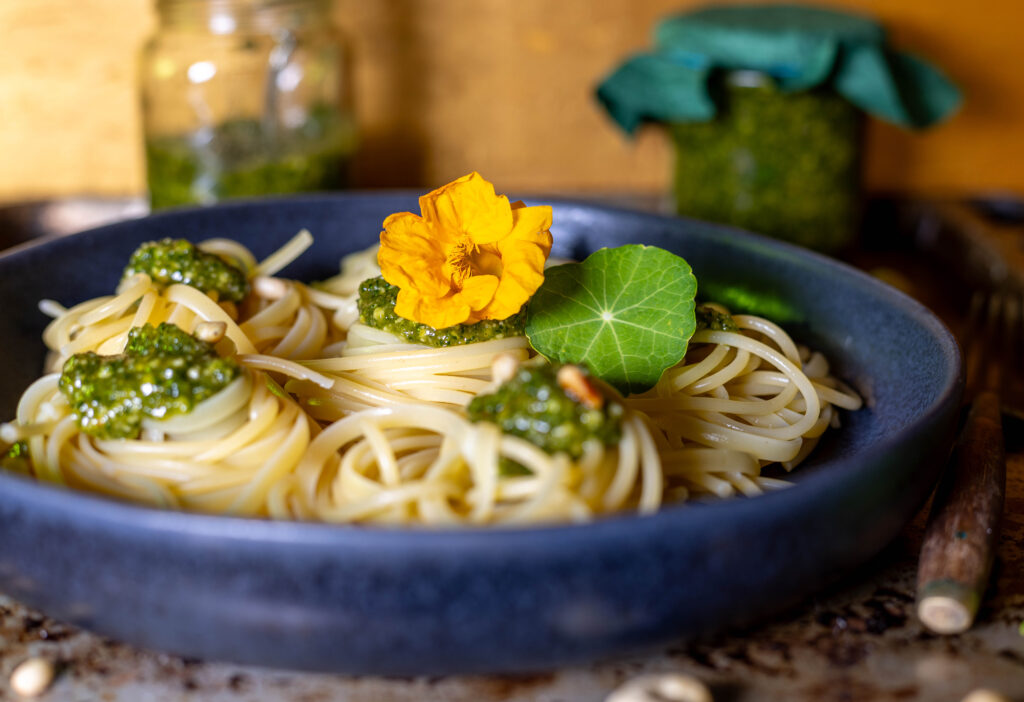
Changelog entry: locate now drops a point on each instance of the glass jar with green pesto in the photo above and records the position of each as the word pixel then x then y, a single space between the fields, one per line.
pixel 765 104
pixel 242 98
pixel 786 164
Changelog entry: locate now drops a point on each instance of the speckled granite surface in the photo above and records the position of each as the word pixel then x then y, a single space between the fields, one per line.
pixel 858 641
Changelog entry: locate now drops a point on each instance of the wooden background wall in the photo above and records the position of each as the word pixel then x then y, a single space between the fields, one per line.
pixel 499 86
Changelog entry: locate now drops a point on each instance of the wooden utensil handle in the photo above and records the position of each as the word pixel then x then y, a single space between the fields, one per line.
pixel 960 539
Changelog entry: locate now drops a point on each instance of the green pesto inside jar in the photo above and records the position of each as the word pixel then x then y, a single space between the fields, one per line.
pixel 782 164
pixel 243 158
pixel 376 306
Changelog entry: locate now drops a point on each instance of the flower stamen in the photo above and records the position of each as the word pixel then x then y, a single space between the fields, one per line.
pixel 457 265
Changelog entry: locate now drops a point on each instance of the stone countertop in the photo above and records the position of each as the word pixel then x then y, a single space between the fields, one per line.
pixel 858 641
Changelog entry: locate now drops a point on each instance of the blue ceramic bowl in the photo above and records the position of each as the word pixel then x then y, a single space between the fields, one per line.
pixel 364 600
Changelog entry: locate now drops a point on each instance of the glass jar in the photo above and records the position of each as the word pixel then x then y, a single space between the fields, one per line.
pixel 244 98
pixel 782 164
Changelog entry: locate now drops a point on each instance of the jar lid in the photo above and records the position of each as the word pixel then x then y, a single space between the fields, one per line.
pixel 800 47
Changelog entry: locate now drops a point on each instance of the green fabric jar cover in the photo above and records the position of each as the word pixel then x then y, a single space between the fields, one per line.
pixel 799 47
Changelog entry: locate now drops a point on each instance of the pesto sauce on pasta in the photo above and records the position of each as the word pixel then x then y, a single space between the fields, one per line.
pixel 163 372
pixel 170 261
pixel 377 309
pixel 534 406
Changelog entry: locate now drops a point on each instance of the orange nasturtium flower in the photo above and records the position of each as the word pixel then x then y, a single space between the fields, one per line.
pixel 472 255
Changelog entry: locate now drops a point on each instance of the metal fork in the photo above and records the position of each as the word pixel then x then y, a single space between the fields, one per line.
pixel 960 539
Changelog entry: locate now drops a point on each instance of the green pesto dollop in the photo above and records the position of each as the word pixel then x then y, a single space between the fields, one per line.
pixel 534 406
pixel 16 459
pixel 710 318
pixel 784 164
pixel 170 261
pixel 163 372
pixel 377 309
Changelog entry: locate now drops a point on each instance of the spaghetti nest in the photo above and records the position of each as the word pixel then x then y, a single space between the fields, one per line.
pixel 333 420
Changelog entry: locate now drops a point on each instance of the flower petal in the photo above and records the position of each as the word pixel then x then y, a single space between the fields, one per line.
pixel 409 256
pixel 435 312
pixel 532 223
pixel 469 206
pixel 523 254
pixel 478 290
pixel 518 283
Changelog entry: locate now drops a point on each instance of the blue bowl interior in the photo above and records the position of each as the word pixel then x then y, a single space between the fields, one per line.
pixel 410 602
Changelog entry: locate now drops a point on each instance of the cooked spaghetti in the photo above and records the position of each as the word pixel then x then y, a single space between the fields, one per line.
pixel 334 420
pixel 231 454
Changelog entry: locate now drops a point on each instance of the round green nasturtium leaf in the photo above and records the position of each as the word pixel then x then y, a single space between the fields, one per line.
pixel 626 313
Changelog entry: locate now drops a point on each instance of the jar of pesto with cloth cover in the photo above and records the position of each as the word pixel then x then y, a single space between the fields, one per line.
pixel 242 98
pixel 765 104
